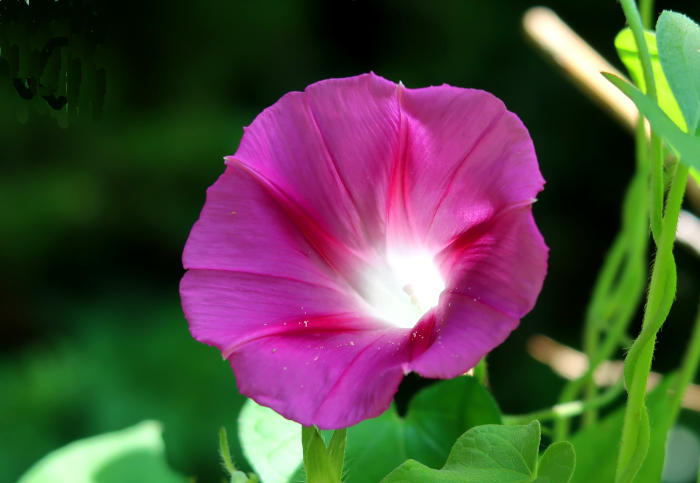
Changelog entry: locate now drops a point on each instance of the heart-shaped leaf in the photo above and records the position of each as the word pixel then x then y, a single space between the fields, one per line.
pixel 436 417
pixel 492 452
pixel 270 443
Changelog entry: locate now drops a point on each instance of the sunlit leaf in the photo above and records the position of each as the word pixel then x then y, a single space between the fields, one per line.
pixel 687 146
pixel 436 417
pixel 270 443
pixel 133 454
pixel 627 50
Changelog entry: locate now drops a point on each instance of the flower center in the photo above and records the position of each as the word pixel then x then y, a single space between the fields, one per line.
pixel 402 288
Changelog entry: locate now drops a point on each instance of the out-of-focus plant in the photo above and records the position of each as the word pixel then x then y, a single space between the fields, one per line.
pixel 48 54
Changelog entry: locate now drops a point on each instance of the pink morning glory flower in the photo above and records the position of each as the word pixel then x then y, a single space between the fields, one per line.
pixel 364 230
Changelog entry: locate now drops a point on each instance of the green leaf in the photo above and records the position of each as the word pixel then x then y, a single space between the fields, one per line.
pixel 133 454
pixel 317 461
pixel 687 146
pixel 679 52
pixel 491 453
pixel 627 50
pixel 435 418
pixel 270 443
pixel 557 463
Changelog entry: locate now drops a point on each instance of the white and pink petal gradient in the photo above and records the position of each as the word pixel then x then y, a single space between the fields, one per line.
pixel 364 230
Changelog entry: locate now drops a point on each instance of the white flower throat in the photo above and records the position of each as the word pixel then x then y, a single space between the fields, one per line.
pixel 403 287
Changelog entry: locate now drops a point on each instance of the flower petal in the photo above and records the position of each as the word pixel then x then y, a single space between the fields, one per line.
pixel 243 228
pixel 465 331
pixel 496 271
pixel 502 263
pixel 306 145
pixel 295 240
pixel 466 159
pixel 229 309
pixel 330 379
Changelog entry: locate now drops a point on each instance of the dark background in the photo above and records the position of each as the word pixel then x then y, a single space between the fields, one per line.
pixel 94 212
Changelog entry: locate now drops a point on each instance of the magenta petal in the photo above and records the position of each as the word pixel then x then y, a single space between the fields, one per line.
pixel 346 212
pixel 466 330
pixel 243 228
pixel 495 274
pixel 306 146
pixel 330 379
pixel 451 186
pixel 502 263
pixel 300 349
pixel 228 309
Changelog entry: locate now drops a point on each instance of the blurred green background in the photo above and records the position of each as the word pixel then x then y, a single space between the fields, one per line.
pixel 94 213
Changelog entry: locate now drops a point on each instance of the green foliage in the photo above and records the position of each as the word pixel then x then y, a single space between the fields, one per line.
pixel 596 456
pixel 557 463
pixel 676 68
pixel 435 418
pixel 113 372
pixel 269 442
pixel 236 475
pixel 50 61
pixel 679 52
pixel 627 50
pixel 323 464
pixel 132 454
pixel 491 453
pixel 336 450
pixel 687 146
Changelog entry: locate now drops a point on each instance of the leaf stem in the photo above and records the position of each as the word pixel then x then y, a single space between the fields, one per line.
pixel 646 7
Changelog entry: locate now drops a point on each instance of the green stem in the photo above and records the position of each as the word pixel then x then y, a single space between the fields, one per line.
pixel 657 181
pixel 620 285
pixel 656 158
pixel 662 290
pixel 225 452
pixel 568 409
pixel 480 373
pixel 635 23
pixel 646 8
